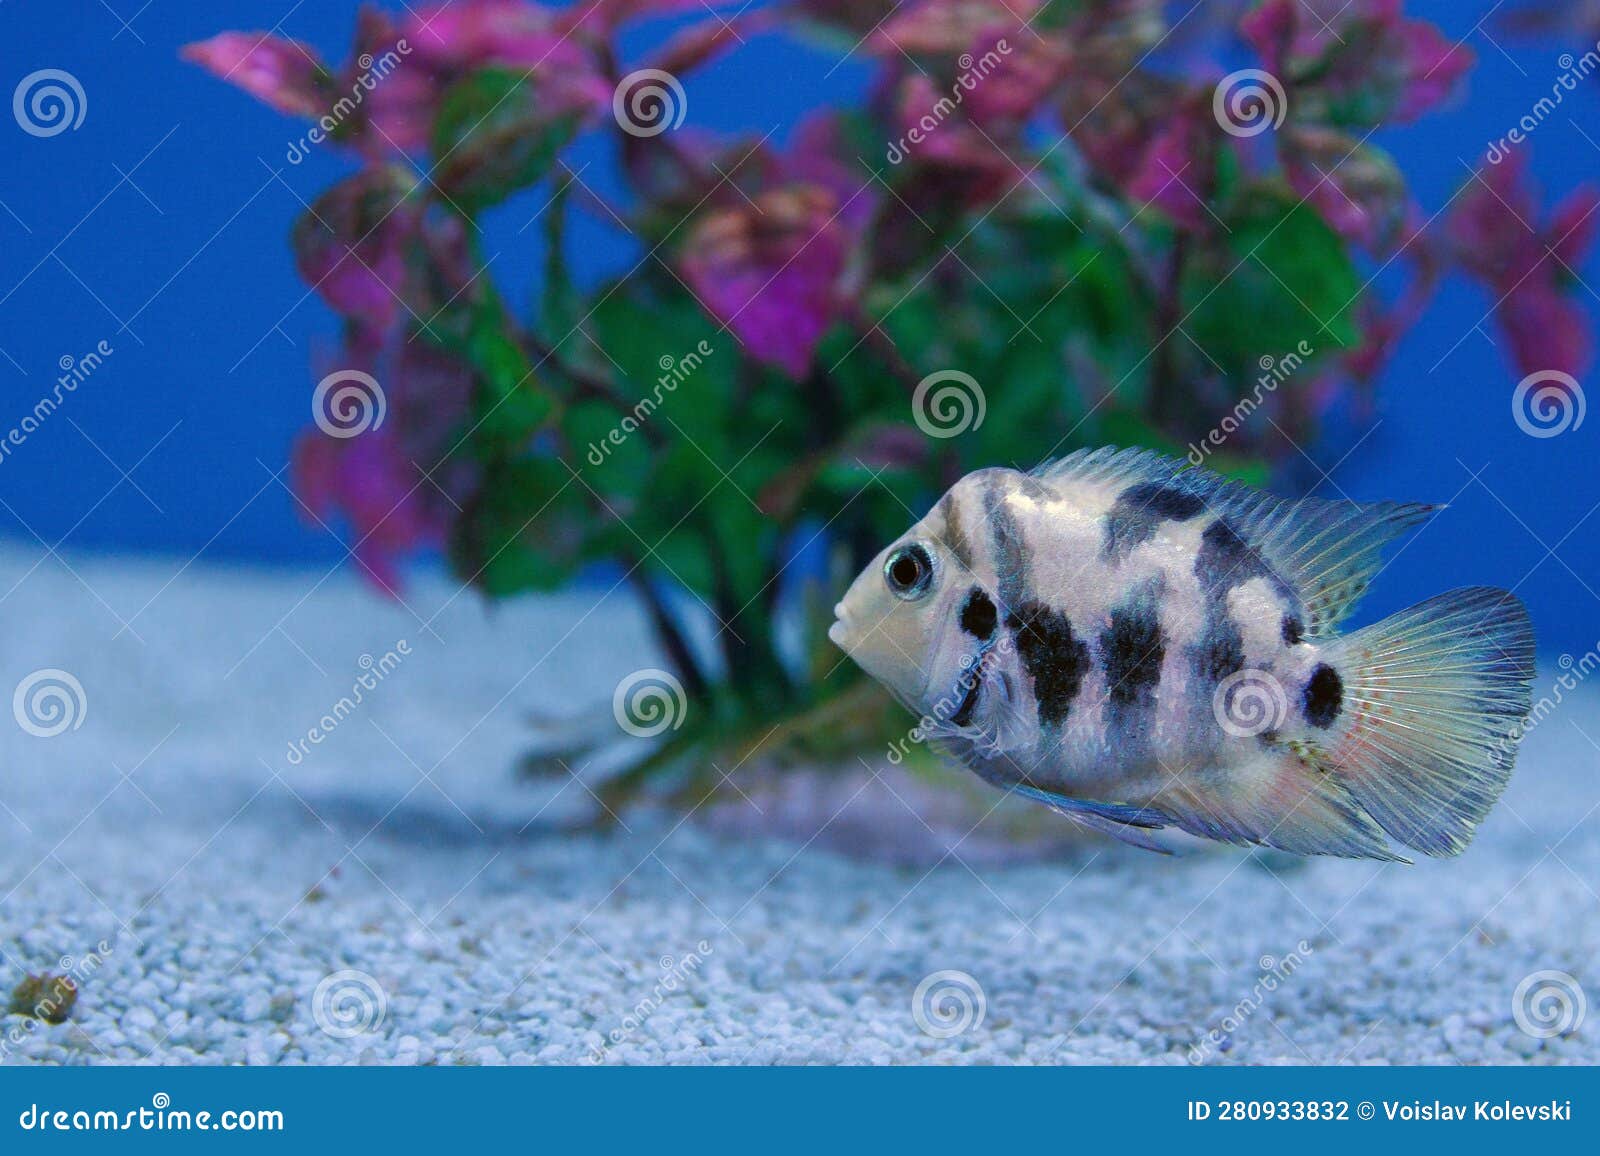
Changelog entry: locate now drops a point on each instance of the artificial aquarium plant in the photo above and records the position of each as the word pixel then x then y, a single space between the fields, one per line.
pixel 1044 226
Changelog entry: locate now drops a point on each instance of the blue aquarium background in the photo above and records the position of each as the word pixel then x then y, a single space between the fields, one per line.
pixel 159 227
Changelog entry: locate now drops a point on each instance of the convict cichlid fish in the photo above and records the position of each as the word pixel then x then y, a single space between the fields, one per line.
pixel 1141 645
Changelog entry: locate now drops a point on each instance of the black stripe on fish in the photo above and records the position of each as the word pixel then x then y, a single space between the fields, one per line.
pixel 1131 651
pixel 1055 657
pixel 1009 548
pixel 978 615
pixel 1132 647
pixel 1139 511
pixel 955 534
pixel 1218 652
pixel 1226 560
pixel 1324 696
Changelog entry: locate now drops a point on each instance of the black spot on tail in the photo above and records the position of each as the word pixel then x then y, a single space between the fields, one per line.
pixel 978 615
pixel 1139 511
pixel 1293 629
pixel 1324 696
pixel 1052 654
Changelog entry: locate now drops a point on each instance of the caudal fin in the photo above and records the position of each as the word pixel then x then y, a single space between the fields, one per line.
pixel 1433 706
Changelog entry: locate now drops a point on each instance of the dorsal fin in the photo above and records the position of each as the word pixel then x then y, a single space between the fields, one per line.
pixel 1328 550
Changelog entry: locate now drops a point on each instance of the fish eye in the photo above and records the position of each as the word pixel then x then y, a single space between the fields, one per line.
pixel 908 571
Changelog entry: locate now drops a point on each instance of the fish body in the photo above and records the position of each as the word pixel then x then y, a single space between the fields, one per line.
pixel 1142 645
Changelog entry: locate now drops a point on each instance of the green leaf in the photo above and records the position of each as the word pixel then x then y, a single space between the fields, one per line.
pixel 1281 276
pixel 609 449
pixel 524 529
pixel 491 139
pixel 511 404
pixel 666 352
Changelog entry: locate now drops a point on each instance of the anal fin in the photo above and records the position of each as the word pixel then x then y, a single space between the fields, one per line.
pixel 1284 798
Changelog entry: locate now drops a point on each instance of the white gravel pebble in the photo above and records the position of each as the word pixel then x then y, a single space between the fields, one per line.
pixel 395 895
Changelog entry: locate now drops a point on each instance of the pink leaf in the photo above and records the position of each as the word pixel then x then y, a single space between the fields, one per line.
pixel 284 74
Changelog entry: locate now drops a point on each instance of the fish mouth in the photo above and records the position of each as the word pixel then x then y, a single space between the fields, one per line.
pixel 840 630
pixel 962 715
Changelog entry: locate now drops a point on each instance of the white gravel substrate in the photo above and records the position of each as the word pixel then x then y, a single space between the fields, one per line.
pixel 228 882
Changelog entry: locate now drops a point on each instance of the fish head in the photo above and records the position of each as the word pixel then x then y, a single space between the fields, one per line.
pixel 898 618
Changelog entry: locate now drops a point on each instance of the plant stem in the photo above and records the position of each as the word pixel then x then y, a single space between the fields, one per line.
pixel 1165 395
pixel 668 632
pixel 589 385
